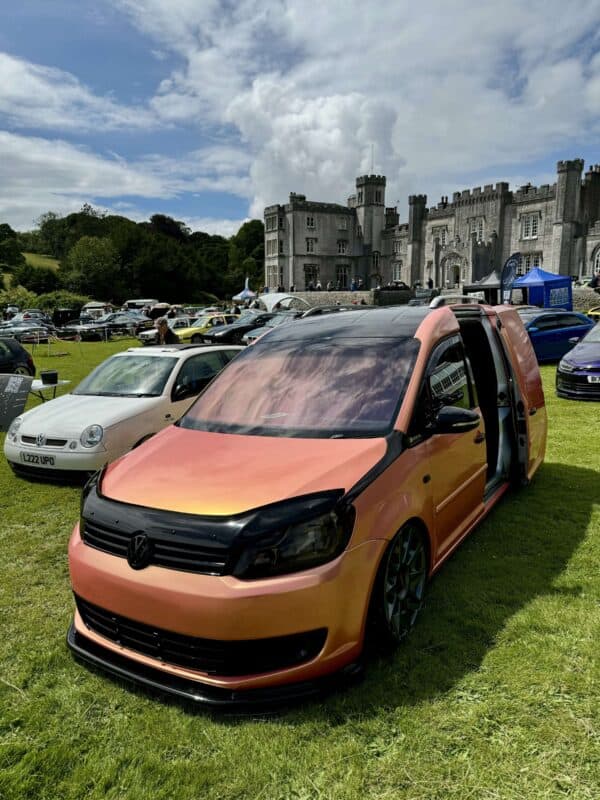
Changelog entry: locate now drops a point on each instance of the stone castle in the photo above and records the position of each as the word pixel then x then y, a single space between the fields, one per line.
pixel 458 241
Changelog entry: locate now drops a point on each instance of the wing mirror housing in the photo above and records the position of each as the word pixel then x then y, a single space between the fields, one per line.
pixel 451 419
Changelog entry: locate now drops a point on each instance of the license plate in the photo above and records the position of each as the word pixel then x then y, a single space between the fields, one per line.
pixel 593 378
pixel 36 458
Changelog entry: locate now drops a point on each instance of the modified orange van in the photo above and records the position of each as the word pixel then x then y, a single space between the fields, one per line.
pixel 243 553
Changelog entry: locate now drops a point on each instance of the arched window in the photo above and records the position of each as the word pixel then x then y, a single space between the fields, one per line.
pixel 597 261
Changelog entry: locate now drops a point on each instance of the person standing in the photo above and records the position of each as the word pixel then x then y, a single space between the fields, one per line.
pixel 165 334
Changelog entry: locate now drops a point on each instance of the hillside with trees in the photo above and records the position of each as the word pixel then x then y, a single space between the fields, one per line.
pixel 111 257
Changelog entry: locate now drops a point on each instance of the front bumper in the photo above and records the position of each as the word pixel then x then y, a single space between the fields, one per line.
pixel 226 610
pixel 575 385
pixel 52 463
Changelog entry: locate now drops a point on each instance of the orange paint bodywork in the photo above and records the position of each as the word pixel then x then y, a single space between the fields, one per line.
pixel 440 482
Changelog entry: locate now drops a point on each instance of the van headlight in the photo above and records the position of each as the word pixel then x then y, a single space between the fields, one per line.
pixel 91 436
pixel 13 429
pixel 301 543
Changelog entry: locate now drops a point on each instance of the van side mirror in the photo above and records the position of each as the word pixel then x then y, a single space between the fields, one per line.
pixel 451 419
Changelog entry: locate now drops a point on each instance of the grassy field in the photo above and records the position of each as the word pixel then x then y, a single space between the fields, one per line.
pixel 496 694
pixel 36 260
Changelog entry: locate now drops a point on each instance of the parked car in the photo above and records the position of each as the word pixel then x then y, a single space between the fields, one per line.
pixel 578 372
pixel 150 335
pixel 195 333
pixel 117 322
pixel 552 331
pixel 306 497
pixel 30 331
pixel 125 400
pixel 14 358
pixel 593 314
pixel 234 332
pixel 278 318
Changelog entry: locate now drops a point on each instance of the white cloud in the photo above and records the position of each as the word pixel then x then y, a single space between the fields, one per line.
pixel 442 90
pixel 65 176
pixel 35 96
pixel 442 94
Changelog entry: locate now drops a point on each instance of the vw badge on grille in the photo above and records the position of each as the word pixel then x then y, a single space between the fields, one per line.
pixel 139 551
pixel 40 440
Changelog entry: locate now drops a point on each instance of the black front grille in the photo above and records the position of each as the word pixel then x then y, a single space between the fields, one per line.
pixel 577 385
pixel 212 656
pixel 47 474
pixel 174 551
pixel 47 443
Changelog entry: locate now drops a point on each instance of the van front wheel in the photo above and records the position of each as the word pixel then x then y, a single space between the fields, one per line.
pixel 400 585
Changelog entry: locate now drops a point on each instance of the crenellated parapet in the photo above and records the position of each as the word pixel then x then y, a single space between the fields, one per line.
pixel 575 165
pixel 534 194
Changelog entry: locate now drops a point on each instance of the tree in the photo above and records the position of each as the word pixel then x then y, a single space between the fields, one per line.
pixel 36 279
pixel 10 251
pixel 92 267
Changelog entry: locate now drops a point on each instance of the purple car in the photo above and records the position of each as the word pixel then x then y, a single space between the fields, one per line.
pixel 578 373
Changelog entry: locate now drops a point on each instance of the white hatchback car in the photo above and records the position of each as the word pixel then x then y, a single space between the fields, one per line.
pixel 125 400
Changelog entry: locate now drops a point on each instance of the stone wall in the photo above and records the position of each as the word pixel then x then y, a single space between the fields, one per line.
pixel 325 298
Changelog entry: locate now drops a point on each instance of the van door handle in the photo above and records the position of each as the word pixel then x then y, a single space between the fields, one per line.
pixel 532 411
pixel 479 437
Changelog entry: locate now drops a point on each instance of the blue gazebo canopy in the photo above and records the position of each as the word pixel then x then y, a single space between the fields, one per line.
pixel 546 289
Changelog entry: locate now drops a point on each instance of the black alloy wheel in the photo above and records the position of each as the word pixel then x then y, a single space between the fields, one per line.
pixel 196 338
pixel 400 586
pixel 22 369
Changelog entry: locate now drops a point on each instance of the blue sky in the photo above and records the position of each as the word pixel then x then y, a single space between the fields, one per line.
pixel 209 110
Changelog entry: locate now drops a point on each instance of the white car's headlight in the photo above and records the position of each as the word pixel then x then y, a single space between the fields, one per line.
pixel 91 436
pixel 14 428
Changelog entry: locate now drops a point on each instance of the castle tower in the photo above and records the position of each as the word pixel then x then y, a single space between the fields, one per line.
pixel 370 210
pixel 568 195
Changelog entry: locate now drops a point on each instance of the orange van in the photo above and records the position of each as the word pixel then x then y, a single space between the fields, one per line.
pixel 242 554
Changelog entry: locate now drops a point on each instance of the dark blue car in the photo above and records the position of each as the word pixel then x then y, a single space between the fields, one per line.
pixel 553 333
pixel 578 373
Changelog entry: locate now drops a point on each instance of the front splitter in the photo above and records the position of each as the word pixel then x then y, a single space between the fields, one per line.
pixel 201 693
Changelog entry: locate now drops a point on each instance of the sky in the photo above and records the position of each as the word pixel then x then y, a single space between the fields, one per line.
pixel 209 110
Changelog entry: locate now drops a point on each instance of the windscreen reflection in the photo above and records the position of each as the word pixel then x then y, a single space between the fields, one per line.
pixel 311 389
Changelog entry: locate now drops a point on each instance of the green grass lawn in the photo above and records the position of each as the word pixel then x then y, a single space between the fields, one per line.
pixel 496 694
pixel 37 260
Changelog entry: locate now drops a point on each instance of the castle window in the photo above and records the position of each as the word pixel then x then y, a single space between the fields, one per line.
pixel 444 237
pixel 377 196
pixel 311 274
pixel 274 276
pixel 343 223
pixel 281 246
pixel 342 247
pixel 341 276
pixel 397 247
pixel 310 245
pixel 281 220
pixel 310 222
pixel 529 226
pixel 397 271
pixel 271 223
pixel 360 196
pixel 529 261
pixel 375 260
pixel 478 228
pixel 272 247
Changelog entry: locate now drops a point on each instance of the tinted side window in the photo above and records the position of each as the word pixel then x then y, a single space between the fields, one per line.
pixel 448 378
pixel 570 321
pixel 546 322
pixel 447 383
pixel 198 371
